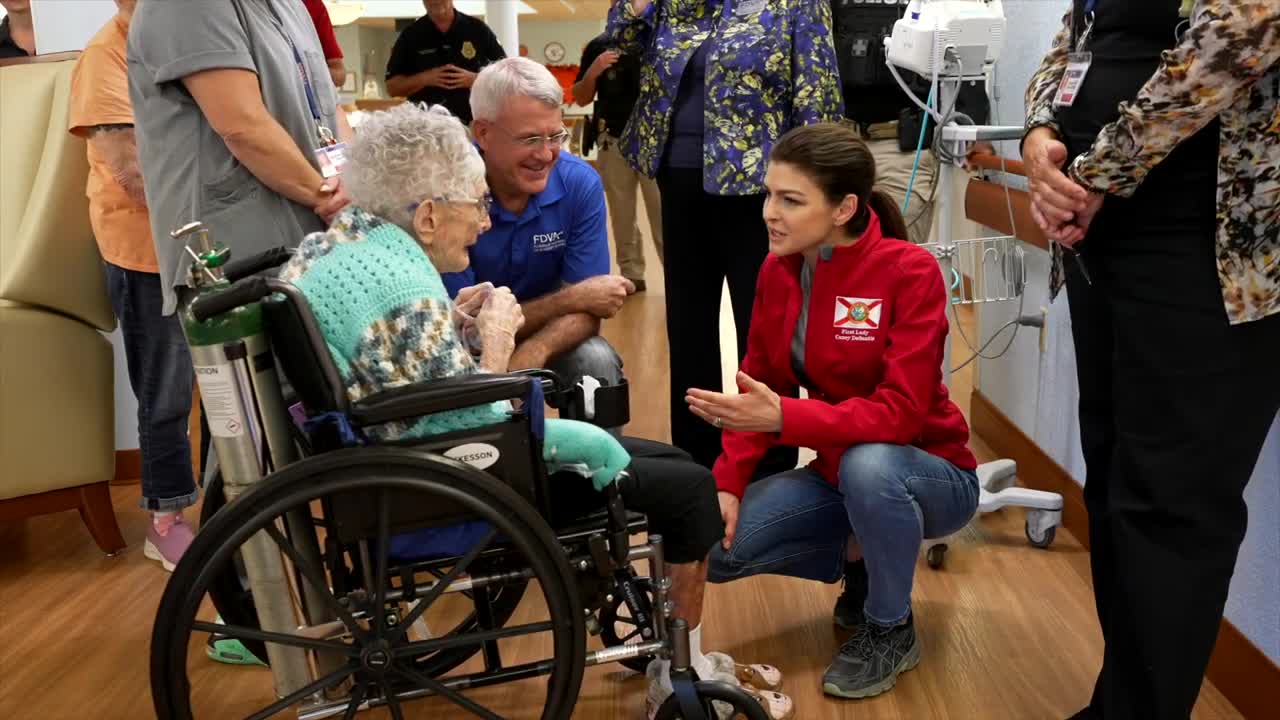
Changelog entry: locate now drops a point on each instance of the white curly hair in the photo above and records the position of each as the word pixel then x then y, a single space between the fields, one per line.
pixel 407 154
pixel 512 77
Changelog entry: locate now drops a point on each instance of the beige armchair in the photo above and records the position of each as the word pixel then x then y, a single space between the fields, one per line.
pixel 57 418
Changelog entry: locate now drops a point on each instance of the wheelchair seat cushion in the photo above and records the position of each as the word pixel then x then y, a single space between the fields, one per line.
pixel 439 542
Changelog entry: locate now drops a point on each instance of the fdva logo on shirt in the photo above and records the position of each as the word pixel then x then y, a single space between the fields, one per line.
pixel 857 319
pixel 546 242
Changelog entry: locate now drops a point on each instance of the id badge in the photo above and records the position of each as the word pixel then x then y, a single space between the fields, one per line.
pixel 749 7
pixel 1077 69
pixel 332 159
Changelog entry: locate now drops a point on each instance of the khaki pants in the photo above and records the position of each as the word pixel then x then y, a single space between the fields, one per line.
pixel 620 182
pixel 893 174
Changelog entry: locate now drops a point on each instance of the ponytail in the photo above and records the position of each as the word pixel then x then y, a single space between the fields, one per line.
pixel 892 224
pixel 835 158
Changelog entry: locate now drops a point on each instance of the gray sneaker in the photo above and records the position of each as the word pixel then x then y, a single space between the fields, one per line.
pixel 869 662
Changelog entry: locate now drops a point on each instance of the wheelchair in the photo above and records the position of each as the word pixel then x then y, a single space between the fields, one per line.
pixel 375 574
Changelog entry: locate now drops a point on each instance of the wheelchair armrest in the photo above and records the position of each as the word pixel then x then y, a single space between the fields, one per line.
pixel 425 398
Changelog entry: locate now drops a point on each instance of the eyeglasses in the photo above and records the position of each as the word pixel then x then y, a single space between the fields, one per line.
pixel 553 142
pixel 481 204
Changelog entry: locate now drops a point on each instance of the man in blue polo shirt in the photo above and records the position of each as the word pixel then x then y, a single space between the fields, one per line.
pixel 548 241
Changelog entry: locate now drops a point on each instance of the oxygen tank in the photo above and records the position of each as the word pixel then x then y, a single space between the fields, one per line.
pixel 240 393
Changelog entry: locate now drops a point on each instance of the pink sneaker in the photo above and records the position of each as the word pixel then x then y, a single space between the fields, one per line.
pixel 167 549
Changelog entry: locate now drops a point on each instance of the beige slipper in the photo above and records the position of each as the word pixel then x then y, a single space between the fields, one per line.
pixel 763 677
pixel 776 705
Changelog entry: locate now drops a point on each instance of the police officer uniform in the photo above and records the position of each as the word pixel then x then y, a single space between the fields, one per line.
pixel 468 43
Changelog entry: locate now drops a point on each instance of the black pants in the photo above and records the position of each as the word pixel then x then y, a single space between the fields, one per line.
pixel 676 494
pixel 708 239
pixel 1175 404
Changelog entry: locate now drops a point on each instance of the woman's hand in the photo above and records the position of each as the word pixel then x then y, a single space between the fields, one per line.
pixel 1071 234
pixel 332 198
pixel 468 303
pixel 729 504
pixel 465 308
pixel 497 323
pixel 639 6
pixel 500 317
pixel 1056 199
pixel 756 409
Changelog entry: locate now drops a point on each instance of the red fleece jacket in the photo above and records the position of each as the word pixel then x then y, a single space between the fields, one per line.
pixel 873 358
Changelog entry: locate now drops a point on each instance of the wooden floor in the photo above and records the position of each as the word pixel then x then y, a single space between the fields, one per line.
pixel 1008 631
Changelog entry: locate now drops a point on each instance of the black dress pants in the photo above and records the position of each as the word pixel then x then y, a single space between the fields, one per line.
pixel 708 239
pixel 1175 404
pixel 676 495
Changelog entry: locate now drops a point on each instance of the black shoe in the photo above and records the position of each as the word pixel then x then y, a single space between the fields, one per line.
pixel 848 612
pixel 870 662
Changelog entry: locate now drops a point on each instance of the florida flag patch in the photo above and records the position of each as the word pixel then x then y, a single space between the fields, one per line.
pixel 852 312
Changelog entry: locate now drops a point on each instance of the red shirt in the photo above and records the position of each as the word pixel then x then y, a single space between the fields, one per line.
pixel 873 356
pixel 324 29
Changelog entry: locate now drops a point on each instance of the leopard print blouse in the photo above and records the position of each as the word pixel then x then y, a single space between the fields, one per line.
pixel 1227 65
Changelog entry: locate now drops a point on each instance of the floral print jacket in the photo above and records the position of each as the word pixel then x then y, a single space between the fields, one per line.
pixel 1227 65
pixel 771 67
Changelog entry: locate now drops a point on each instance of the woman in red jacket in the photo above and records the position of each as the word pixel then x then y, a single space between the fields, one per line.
pixel 893 464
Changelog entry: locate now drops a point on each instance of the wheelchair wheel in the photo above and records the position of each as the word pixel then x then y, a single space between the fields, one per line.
pixel 231 598
pixel 617 628
pixel 374 663
pixel 742 704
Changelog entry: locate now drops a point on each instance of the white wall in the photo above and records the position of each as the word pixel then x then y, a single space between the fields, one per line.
pixel 126 403
pixel 67 25
pixel 572 34
pixel 1038 392
pixel 365 52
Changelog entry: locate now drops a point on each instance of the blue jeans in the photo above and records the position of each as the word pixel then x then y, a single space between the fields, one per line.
pixel 890 498
pixel 161 376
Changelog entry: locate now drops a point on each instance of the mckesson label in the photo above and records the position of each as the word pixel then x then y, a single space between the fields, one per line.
pixel 477 455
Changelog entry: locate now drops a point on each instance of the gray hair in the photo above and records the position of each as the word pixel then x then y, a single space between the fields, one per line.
pixel 513 77
pixel 407 154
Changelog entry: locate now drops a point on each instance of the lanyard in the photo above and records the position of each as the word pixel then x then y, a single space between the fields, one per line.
pixel 324 133
pixel 1080 37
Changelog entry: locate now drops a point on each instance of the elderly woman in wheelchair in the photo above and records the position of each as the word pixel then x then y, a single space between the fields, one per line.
pixel 430 473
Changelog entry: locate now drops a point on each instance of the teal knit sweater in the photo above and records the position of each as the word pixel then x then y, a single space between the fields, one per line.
pixel 386 316
pixel 385 313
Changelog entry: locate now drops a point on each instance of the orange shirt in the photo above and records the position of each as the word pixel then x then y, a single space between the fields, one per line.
pixel 100 96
